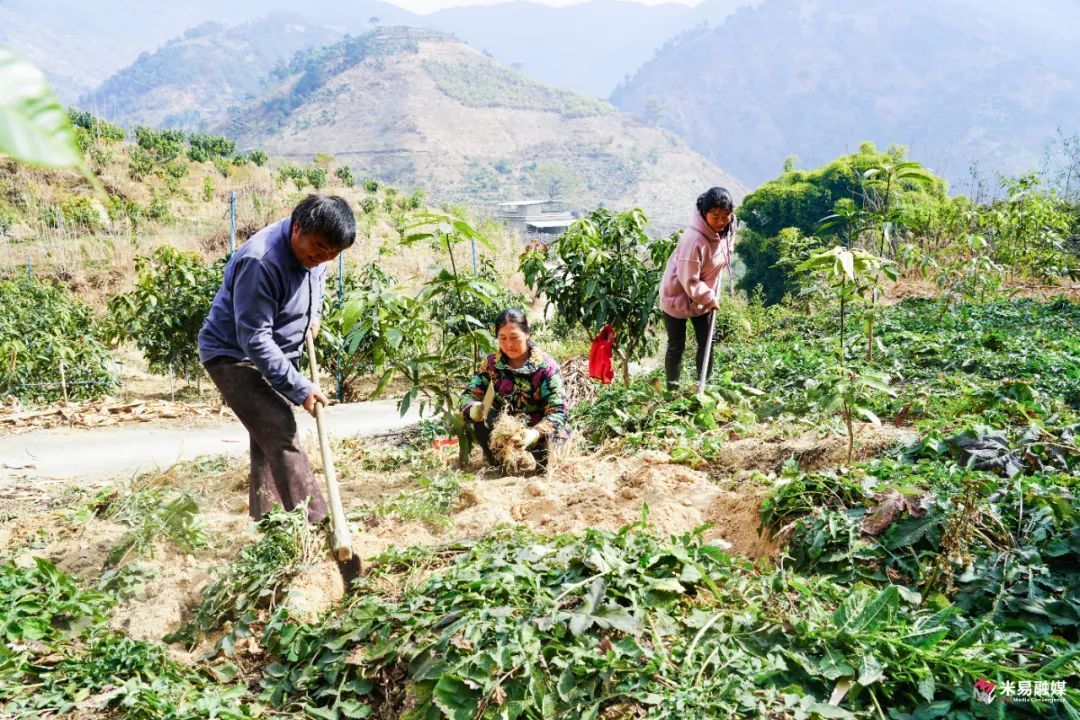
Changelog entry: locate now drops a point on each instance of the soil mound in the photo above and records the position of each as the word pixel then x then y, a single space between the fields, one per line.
pixel 585 492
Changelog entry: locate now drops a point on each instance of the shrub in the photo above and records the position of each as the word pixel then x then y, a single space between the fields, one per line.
pixel 140 164
pixel 164 145
pixel 210 147
pixel 159 209
pixel 316 177
pixel 165 311
pixel 7 220
pixel 258 157
pixel 95 128
pixel 81 213
pixel 344 174
pixel 41 325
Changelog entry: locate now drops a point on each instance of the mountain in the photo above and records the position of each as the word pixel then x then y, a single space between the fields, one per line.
pixel 416 107
pixel 588 46
pixel 191 81
pixel 80 44
pixel 958 82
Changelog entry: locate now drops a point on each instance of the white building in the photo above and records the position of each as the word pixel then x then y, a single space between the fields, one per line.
pixel 544 217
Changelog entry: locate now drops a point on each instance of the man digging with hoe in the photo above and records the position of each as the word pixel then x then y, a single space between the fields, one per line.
pixel 250 344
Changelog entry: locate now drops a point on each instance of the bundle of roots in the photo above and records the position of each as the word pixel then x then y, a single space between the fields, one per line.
pixel 508 447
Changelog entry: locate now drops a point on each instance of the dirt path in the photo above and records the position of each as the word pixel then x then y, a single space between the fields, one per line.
pixel 97 454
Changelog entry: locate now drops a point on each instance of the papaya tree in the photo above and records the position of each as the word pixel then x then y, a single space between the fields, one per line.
pixel 603 270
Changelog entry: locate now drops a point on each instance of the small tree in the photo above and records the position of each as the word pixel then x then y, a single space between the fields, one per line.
pixel 602 271
pixel 316 177
pixel 408 337
pixel 852 273
pixel 344 174
pixel 553 180
pixel 165 311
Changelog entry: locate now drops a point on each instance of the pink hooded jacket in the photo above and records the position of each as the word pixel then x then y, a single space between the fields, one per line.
pixel 693 270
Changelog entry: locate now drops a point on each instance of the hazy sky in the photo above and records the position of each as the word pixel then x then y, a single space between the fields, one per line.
pixel 430 6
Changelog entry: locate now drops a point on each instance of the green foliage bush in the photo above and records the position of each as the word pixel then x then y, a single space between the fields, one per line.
pixel 203 148
pixel 163 145
pixel 95 127
pixel 159 209
pixel 140 164
pixel 345 175
pixel 370 185
pixel 802 199
pixel 604 270
pixel 258 157
pixel 316 177
pixel 165 311
pixel 123 209
pixel 81 212
pixel 59 651
pixel 41 325
pixel 7 220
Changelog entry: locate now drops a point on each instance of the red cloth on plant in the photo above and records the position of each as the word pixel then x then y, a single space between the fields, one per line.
pixel 600 356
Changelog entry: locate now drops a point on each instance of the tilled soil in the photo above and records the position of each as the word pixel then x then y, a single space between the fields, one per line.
pixel 577 492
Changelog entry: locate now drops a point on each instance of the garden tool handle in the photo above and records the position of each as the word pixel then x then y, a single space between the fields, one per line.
pixel 712 328
pixel 342 541
pixel 708 354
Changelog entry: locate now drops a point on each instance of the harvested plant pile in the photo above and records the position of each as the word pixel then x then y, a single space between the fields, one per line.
pixel 507 447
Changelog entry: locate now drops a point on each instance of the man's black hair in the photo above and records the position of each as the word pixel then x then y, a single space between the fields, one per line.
pixel 326 215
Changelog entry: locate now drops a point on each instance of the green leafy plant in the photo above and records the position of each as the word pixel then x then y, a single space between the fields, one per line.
pixel 853 392
pixel 853 273
pixel 435 354
pixel 151 514
pixel 316 177
pixel 34 127
pixel 253 581
pixel 165 311
pixel 345 175
pixel 204 148
pixel 602 270
pixel 163 145
pixel 59 657
pixel 50 343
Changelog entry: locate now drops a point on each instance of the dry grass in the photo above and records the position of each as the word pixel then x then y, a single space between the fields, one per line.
pixel 98 265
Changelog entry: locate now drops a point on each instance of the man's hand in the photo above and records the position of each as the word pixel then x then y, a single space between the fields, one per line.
pixel 529 437
pixel 315 396
pixel 315 325
pixel 476 412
